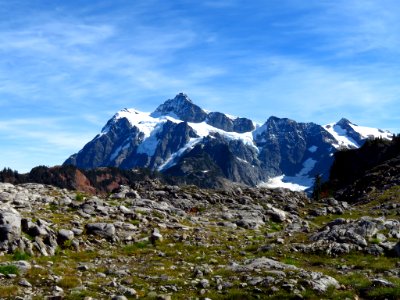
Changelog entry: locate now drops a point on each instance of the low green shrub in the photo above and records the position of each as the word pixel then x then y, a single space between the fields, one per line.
pixel 8 269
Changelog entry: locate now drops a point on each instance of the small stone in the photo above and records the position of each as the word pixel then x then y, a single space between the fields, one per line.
pixel 382 282
pixel 156 236
pixel 58 289
pixel 204 283
pixel 25 283
pixel 22 265
pixel 163 297
pixel 113 284
pixel 83 268
pixel 105 230
pixel 77 231
pixel 119 297
pixel 65 234
pixel 127 291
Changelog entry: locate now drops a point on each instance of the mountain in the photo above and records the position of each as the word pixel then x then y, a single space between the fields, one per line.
pixel 194 146
pixel 373 168
pixel 349 135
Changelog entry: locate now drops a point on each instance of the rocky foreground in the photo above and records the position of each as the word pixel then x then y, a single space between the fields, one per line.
pixel 154 241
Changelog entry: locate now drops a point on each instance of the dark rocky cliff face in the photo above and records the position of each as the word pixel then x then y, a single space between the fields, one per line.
pixel 221 121
pixel 218 157
pixel 183 108
pixel 285 145
pixel 99 152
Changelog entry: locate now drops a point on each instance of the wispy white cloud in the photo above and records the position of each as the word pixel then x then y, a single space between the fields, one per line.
pixel 347 28
pixel 64 69
pixel 49 131
pixel 27 143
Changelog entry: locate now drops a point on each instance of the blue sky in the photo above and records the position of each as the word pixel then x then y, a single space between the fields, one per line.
pixel 67 66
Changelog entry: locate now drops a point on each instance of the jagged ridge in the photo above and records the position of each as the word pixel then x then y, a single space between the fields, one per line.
pixel 181 139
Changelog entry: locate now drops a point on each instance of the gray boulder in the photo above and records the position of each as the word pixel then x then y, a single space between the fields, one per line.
pixel 277 214
pixel 10 224
pixel 317 281
pixel 320 282
pixel 105 230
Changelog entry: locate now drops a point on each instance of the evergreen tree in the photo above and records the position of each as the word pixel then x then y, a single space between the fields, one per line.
pixel 317 187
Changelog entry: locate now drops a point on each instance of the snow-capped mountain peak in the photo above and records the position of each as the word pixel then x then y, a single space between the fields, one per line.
pixel 182 108
pixel 181 139
pixel 350 135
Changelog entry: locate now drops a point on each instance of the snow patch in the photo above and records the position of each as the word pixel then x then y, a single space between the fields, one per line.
pixel 149 144
pixel 308 165
pixel 369 132
pixel 313 149
pixel 231 117
pixel 299 182
pixel 171 161
pixel 143 120
pixel 289 182
pixel 146 124
pixel 340 136
pixel 203 129
pixel 242 160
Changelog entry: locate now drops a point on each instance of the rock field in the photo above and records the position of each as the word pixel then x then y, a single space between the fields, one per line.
pixel 154 241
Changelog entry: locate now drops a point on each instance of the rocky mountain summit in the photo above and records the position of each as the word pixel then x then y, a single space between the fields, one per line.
pixel 204 148
pixel 151 240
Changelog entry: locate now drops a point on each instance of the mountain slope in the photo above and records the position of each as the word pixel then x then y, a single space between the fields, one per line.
pixel 182 140
pixel 373 167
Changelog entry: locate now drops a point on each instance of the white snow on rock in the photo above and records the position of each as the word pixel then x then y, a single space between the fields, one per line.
pixel 299 182
pixel 369 132
pixel 150 143
pixel 143 120
pixel 289 182
pixel 308 165
pixel 340 135
pixel 344 140
pixel 203 129
pixel 313 149
pixel 172 159
pixel 150 124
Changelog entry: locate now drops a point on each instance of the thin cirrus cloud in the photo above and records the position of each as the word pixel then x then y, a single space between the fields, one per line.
pixel 348 28
pixel 66 68
pixel 46 138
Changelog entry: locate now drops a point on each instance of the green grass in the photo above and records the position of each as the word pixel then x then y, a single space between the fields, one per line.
pixel 80 196
pixel 384 293
pixel 8 269
pixel 355 281
pixel 69 282
pixel 291 261
pixel 18 255
pixel 134 248
pixel 274 227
